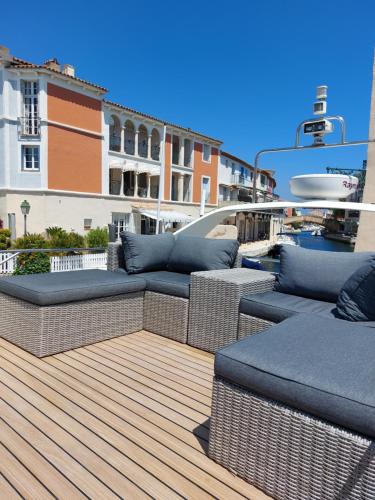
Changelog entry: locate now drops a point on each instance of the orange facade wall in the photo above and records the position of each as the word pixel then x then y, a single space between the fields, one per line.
pixel 208 169
pixel 168 163
pixel 74 157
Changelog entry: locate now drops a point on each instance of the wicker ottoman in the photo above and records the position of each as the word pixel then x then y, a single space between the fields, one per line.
pixel 288 415
pixel 51 313
pixel 214 300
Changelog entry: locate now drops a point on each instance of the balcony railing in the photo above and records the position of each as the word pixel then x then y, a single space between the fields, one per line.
pixel 29 126
pixel 240 180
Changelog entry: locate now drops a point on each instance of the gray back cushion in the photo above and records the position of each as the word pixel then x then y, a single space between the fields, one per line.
pixel 317 274
pixel 191 254
pixel 356 301
pixel 145 252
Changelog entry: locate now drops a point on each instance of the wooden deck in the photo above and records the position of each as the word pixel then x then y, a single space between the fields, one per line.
pixel 128 417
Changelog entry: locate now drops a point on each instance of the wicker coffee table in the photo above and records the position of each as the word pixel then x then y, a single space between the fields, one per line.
pixel 214 301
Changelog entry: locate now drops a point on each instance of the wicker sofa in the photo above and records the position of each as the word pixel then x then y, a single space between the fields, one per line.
pixel 309 283
pixel 166 300
pixel 293 408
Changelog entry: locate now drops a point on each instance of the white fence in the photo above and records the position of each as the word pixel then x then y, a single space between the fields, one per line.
pixel 7 267
pixel 65 263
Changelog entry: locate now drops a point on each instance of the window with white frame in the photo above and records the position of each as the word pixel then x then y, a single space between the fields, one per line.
pixel 206 153
pixel 121 222
pixel 262 180
pixel 30 111
pixel 30 158
pixel 205 194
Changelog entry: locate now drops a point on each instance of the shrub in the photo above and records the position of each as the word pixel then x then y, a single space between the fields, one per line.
pixel 32 240
pixel 97 237
pixel 54 231
pixel 63 239
pixel 4 239
pixel 32 263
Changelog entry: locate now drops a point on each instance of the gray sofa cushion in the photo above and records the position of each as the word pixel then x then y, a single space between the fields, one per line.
pixel 313 364
pixel 317 274
pixel 166 282
pixel 192 253
pixel 144 252
pixel 356 301
pixel 276 306
pixel 58 288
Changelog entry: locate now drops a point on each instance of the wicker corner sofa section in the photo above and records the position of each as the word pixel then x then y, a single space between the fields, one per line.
pixel 167 297
pixel 293 413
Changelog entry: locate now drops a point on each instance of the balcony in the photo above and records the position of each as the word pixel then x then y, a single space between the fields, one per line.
pixel 29 126
pixel 240 180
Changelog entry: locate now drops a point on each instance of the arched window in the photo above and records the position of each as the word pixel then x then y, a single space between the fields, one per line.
pixel 129 137
pixel 155 144
pixel 115 134
pixel 142 141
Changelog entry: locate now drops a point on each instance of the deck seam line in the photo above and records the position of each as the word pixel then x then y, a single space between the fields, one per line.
pixel 11 484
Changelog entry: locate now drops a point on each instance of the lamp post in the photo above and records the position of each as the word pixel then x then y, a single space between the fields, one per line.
pixel 25 209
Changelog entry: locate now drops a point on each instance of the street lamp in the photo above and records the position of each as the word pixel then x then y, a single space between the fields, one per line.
pixel 25 209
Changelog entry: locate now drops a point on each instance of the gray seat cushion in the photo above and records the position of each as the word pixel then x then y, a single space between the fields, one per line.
pixel 58 288
pixel 276 307
pixel 322 366
pixel 317 274
pixel 356 301
pixel 166 282
pixel 191 254
pixel 144 252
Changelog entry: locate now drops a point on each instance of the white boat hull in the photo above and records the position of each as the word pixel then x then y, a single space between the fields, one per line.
pixel 323 186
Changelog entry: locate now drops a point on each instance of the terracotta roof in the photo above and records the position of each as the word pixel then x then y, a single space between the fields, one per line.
pixel 189 130
pixel 22 64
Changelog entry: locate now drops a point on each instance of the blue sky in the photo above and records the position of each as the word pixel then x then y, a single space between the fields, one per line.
pixel 244 72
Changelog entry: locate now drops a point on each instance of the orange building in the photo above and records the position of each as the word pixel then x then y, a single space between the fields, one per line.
pixel 82 161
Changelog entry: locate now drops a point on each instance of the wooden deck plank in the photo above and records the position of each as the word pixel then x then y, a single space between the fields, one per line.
pixel 160 376
pixel 111 399
pixel 124 374
pixel 21 478
pixel 150 349
pixel 170 365
pixel 6 489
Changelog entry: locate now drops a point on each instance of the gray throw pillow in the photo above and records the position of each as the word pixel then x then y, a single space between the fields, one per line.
pixel 192 253
pixel 143 252
pixel 356 301
pixel 316 274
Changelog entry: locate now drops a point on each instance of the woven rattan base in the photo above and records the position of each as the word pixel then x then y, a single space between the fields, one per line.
pixel 248 325
pixel 51 329
pixel 286 453
pixel 166 315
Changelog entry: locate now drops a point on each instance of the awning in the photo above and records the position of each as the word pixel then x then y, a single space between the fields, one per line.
pixel 166 215
pixel 131 166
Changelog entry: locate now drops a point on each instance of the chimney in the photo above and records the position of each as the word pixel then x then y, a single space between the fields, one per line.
pixel 52 64
pixel 4 54
pixel 68 70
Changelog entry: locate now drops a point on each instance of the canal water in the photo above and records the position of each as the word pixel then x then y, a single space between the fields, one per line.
pixel 307 240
